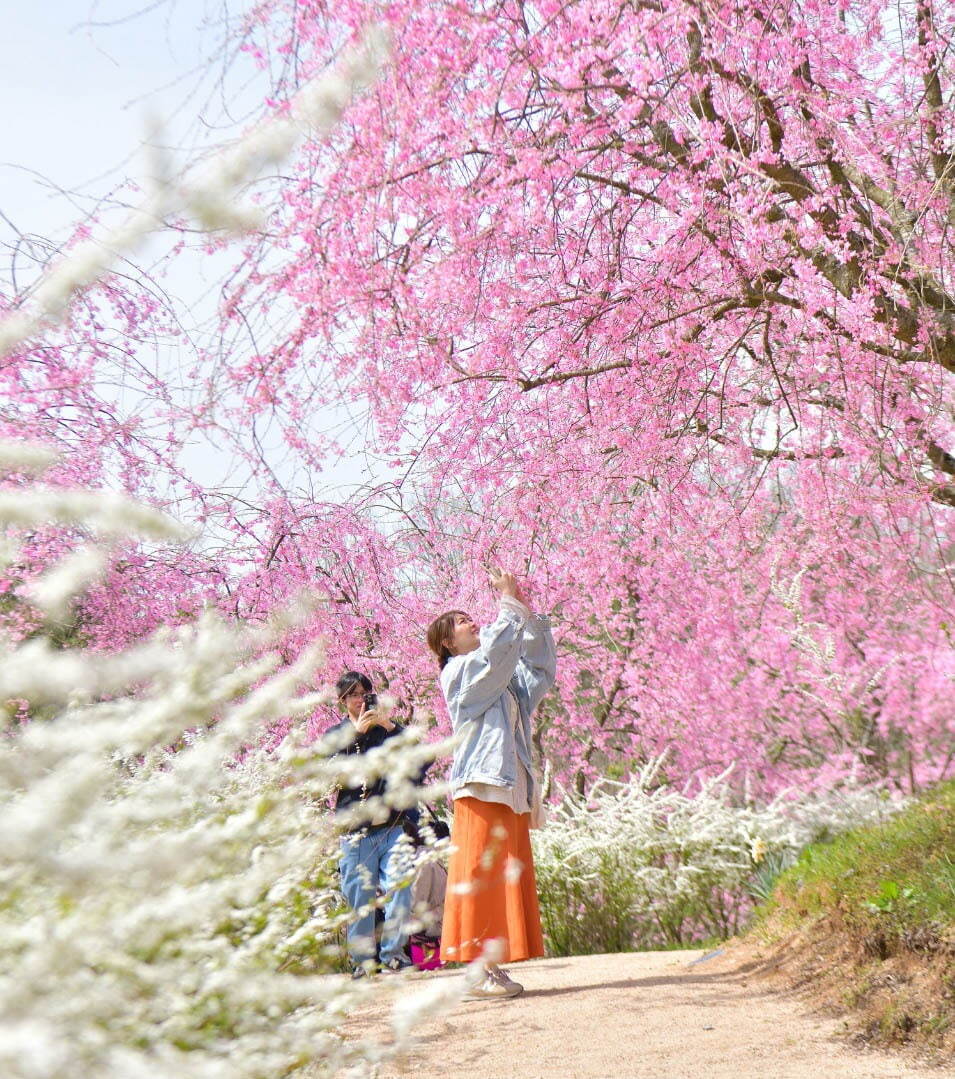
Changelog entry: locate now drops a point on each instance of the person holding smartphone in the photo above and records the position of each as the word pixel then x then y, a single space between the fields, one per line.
pixel 369 856
pixel 493 678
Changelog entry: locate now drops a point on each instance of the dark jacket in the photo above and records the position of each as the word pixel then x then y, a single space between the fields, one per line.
pixel 348 796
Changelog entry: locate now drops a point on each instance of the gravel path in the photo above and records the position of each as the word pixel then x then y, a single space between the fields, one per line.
pixel 664 1015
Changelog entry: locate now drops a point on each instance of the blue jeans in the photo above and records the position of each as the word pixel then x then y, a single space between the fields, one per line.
pixel 368 861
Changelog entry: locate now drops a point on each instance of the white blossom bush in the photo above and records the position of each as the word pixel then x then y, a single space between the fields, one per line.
pixel 157 875
pixel 642 864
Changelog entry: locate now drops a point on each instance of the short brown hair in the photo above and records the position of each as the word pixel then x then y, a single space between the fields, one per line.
pixel 440 632
pixel 347 682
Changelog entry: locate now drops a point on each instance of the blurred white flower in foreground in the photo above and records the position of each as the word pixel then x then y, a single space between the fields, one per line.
pixel 160 871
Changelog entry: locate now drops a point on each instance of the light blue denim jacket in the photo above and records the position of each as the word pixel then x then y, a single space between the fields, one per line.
pixel 517 654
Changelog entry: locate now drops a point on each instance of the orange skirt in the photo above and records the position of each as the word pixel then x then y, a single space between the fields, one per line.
pixel 492 892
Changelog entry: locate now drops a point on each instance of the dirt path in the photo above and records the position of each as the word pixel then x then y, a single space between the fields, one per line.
pixel 665 1015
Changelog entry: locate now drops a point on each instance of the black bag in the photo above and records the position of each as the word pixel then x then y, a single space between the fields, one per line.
pixel 412 827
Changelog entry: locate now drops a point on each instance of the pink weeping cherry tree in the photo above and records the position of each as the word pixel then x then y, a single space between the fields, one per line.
pixel 651 301
pixel 654 301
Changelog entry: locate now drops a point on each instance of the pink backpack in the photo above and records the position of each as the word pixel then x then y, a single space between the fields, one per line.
pixel 425 952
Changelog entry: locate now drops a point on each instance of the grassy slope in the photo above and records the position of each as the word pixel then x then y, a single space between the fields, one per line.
pixel 868 922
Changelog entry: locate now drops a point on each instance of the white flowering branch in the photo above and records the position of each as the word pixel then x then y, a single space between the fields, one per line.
pixel 159 868
pixel 816 641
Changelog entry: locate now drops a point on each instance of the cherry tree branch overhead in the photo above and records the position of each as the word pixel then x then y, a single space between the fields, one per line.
pixel 748 205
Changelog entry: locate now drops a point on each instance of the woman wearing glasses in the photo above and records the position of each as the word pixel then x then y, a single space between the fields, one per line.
pixel 370 856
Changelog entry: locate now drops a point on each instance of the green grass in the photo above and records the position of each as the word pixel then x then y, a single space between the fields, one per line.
pixel 892 885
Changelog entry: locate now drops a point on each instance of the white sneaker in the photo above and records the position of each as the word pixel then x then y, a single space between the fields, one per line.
pixel 500 975
pixel 492 989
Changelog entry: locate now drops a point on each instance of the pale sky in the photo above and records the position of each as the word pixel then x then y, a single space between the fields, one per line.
pixel 80 78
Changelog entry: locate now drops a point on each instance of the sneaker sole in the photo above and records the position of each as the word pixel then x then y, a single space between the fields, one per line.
pixel 494 996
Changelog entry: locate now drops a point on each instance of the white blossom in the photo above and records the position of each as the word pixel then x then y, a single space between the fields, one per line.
pixel 155 897
pixel 669 865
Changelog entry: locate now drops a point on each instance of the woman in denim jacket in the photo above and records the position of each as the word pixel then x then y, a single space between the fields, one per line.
pixel 493 679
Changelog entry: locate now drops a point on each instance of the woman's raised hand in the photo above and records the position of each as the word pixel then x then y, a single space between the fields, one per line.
pixel 507 584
